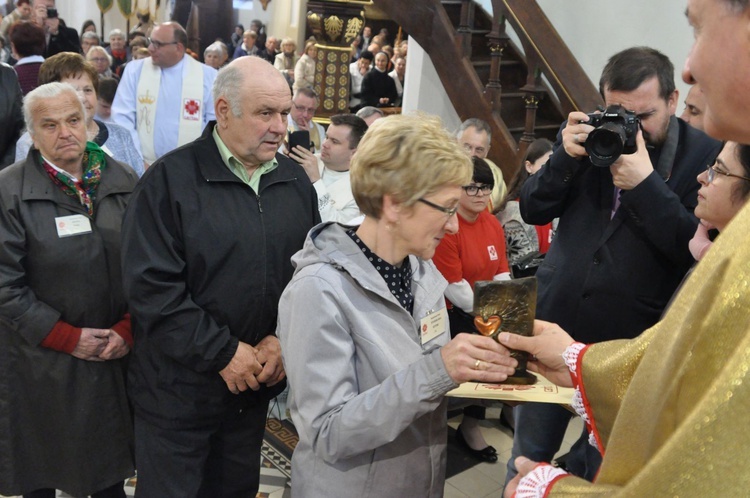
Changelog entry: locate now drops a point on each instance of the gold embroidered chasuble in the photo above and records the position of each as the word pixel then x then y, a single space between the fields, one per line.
pixel 671 407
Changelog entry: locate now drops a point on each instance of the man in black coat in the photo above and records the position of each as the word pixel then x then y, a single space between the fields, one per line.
pixel 207 242
pixel 621 248
pixel 60 38
pixel 11 115
pixel 269 52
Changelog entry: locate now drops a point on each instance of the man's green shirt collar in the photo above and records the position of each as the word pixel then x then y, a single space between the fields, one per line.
pixel 236 167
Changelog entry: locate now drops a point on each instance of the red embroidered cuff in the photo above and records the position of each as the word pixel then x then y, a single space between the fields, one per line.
pixel 124 330
pixel 536 483
pixel 594 438
pixel 63 337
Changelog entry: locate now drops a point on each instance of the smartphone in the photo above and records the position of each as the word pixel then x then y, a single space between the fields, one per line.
pixel 301 138
pixel 51 12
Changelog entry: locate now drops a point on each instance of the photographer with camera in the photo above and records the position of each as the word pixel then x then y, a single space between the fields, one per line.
pixel 60 38
pixel 623 184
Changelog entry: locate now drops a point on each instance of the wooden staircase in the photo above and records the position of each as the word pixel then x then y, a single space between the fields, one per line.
pixel 523 92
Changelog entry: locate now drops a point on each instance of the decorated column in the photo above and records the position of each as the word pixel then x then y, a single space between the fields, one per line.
pixel 335 25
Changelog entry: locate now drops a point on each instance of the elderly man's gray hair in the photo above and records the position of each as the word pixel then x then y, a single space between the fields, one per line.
pixel 228 83
pixel 476 123
pixel 44 92
pixel 218 48
pixel 90 35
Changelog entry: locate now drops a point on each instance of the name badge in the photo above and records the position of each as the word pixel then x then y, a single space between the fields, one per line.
pixel 75 224
pixel 433 325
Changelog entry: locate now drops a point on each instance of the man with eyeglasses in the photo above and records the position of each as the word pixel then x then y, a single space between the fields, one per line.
pixel 304 105
pixel 621 247
pixel 164 100
pixel 673 401
pixel 474 135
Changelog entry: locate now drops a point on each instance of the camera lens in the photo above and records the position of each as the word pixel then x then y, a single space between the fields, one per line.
pixel 605 144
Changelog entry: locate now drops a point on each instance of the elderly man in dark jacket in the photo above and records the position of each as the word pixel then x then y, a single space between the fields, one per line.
pixel 64 329
pixel 206 254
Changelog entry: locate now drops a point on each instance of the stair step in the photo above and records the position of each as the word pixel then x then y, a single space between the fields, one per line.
pixel 486 61
pixel 511 78
pixel 479 32
pixel 513 75
pixel 453 9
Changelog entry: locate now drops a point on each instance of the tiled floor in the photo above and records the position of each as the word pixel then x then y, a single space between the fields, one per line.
pixel 482 480
pixel 486 479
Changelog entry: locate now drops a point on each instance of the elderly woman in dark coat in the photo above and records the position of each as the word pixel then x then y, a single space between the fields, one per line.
pixel 64 326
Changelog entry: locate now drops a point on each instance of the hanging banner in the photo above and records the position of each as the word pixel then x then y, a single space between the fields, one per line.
pixel 126 7
pixel 104 5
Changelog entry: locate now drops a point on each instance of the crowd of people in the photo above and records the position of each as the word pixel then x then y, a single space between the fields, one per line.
pixel 171 260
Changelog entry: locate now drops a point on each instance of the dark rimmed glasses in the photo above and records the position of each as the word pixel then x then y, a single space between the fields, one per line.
pixel 157 44
pixel 449 211
pixel 473 190
pixel 711 174
pixel 303 109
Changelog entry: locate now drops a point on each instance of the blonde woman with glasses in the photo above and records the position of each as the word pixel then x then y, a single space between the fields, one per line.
pixel 364 329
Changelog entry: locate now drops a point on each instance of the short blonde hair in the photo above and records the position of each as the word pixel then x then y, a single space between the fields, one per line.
pixel 407 156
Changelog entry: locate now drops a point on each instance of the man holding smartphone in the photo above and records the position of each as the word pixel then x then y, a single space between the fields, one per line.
pixel 304 104
pixel 330 174
pixel 59 37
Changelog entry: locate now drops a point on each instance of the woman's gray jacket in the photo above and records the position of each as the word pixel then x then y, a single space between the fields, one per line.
pixel 367 398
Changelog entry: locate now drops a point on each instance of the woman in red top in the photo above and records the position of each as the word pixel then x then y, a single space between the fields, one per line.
pixel 476 252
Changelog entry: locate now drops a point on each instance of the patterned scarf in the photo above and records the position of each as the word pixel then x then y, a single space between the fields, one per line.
pixel 84 190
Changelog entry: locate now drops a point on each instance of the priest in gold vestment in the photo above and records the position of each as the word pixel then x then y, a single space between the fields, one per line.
pixel 668 410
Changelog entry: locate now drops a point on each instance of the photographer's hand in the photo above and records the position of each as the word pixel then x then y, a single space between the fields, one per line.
pixel 40 14
pixel 631 169
pixel 575 133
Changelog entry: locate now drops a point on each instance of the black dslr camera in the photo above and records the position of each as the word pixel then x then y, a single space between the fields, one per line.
pixel 614 135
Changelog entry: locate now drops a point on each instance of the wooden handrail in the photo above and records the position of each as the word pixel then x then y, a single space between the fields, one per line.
pixel 427 22
pixel 573 87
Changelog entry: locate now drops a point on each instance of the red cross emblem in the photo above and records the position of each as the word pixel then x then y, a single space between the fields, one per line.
pixel 191 109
